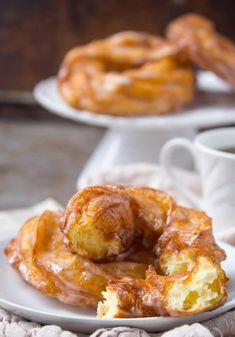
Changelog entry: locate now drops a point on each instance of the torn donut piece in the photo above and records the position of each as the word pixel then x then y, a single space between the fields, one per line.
pixel 188 293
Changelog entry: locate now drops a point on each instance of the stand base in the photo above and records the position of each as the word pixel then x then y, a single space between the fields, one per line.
pixel 125 146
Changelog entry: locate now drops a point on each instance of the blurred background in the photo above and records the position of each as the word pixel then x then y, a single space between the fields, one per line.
pixel 41 154
pixel 35 35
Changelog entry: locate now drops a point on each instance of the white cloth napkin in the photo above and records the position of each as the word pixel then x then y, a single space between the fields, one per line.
pixel 143 174
pixel 11 220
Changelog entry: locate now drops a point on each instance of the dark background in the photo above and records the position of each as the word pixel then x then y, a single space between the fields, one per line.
pixel 35 34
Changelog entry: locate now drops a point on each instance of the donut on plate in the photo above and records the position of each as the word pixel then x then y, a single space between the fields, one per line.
pixel 127 74
pixel 132 249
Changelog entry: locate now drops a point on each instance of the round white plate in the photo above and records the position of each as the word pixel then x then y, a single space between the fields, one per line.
pixel 213 109
pixel 23 300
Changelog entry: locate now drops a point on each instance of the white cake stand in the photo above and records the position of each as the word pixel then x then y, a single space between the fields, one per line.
pixel 139 139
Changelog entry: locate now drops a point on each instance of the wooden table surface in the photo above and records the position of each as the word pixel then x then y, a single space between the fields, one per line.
pixel 42 156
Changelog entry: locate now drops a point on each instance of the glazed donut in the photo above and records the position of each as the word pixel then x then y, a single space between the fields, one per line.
pixel 107 238
pixel 200 43
pixel 126 74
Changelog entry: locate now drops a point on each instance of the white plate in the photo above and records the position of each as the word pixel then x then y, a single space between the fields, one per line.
pixel 23 300
pixel 222 108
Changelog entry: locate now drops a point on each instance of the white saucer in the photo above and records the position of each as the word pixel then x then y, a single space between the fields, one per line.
pixel 21 299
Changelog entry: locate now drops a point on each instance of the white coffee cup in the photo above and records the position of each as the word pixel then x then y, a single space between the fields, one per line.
pixel 217 173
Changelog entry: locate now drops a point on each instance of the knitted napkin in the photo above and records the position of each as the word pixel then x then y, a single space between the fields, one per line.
pixel 142 174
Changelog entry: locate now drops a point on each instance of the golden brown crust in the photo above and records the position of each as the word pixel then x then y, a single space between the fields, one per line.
pixel 201 44
pixel 152 209
pixel 188 229
pixel 126 74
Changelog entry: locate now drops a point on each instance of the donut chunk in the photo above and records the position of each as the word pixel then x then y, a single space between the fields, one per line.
pixel 200 43
pixel 99 222
pixel 188 235
pixel 127 74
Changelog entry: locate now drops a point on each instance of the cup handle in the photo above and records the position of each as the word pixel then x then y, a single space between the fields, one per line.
pixel 165 160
